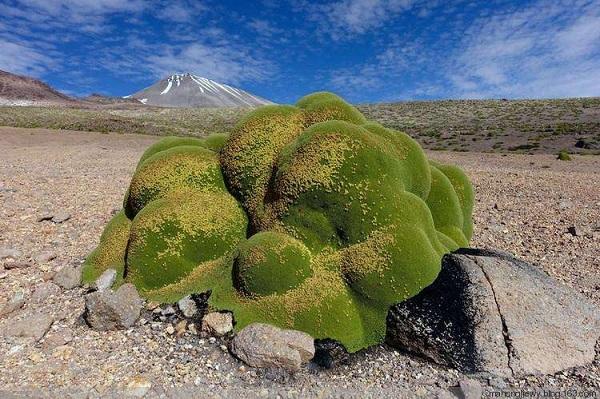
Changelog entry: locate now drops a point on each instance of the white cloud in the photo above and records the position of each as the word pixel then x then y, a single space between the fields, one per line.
pixel 383 72
pixel 83 7
pixel 349 17
pixel 264 27
pixel 22 59
pixel 180 11
pixel 551 49
pixel 88 16
pixel 231 64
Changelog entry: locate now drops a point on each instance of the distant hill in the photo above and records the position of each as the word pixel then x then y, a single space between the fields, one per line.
pixel 25 91
pixel 192 91
pixel 109 100
pixel 528 126
pixel 519 126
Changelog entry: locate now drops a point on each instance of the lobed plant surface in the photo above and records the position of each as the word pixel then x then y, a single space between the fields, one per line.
pixel 306 217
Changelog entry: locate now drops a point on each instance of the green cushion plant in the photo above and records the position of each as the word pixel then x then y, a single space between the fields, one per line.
pixel 306 217
pixel 563 155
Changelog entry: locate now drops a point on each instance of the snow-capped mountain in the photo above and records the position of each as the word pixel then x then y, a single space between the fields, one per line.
pixel 188 90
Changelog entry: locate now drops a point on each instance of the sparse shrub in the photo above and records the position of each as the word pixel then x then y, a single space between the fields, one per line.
pixel 563 155
pixel 306 217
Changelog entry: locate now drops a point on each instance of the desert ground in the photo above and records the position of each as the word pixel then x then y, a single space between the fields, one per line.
pixel 525 204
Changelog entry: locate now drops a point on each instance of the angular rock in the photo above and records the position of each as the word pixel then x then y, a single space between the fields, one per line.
pixel 187 306
pixel 45 257
pixel 586 144
pixel 469 389
pixel 217 324
pixel 108 310
pixel 57 339
pixel 168 311
pixel 330 353
pixel 44 216
pixel 60 217
pixel 263 345
pixel 578 231
pixel 33 326
pixel 68 277
pixel 488 311
pixel 15 303
pixel 106 280
pixel 43 291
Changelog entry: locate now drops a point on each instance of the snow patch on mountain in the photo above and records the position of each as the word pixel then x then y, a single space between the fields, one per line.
pixel 189 90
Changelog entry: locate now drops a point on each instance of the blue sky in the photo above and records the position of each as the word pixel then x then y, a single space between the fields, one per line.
pixel 365 50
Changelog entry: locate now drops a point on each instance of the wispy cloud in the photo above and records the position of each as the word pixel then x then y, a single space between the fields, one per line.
pixel 76 15
pixel 21 59
pixel 385 73
pixel 348 17
pixel 180 11
pixel 551 49
pixel 231 64
pixel 264 27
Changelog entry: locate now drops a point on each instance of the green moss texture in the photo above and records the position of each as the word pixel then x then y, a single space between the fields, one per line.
pixel 307 217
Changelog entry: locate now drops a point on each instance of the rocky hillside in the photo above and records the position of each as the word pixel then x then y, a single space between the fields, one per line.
pixel 23 90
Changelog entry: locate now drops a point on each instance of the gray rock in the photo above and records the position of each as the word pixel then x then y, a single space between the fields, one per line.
pixel 578 231
pixel 31 327
pixel 490 312
pixel 58 338
pixel 217 324
pixel 106 280
pixel 469 389
pixel 108 310
pixel 445 395
pixel 68 277
pixel 61 217
pixel 45 215
pixel 43 291
pixel 10 253
pixel 168 311
pixel 187 306
pixel 16 265
pixel 263 345
pixel 15 303
pixel 45 257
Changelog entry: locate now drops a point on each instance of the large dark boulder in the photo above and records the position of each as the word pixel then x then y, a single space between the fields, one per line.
pixel 490 312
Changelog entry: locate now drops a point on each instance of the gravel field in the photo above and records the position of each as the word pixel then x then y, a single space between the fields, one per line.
pixel 525 204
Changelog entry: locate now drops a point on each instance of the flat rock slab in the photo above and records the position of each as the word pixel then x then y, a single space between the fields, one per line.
pixel 31 327
pixel 490 312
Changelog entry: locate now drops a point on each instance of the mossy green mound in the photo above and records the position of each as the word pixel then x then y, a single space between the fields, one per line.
pixel 110 253
pixel 271 263
pixel 306 217
pixel 175 233
pixel 173 169
pixel 563 155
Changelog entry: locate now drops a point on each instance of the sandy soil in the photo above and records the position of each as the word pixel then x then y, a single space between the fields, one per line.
pixel 525 204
